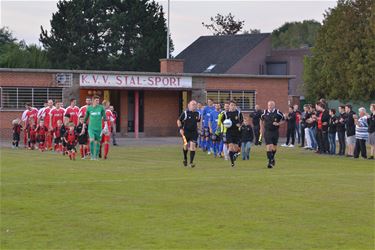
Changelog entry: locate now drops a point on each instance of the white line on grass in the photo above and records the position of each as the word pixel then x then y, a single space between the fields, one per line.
pixel 194 178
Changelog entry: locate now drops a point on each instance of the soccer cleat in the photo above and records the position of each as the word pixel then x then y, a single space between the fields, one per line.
pixel 273 162
pixel 291 146
pixel 269 165
pixel 192 165
pixel 232 165
pixel 284 145
pixel 208 152
pixel 185 163
pixel 371 158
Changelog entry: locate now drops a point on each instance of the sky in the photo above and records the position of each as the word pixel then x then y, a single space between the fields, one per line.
pixel 24 18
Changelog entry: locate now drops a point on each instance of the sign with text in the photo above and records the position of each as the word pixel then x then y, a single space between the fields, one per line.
pixel 135 81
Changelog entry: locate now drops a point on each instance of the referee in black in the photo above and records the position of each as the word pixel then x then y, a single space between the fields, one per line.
pixel 255 116
pixel 233 133
pixel 188 125
pixel 271 120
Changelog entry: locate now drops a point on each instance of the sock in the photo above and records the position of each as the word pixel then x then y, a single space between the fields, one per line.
pixel 215 148
pixel 208 143
pixel 192 154
pixel 269 155
pixel 273 154
pixel 81 150
pixel 106 149
pixel 61 148
pixel 97 149
pixel 185 154
pixel 203 144
pixel 74 155
pixel 92 144
pixel 231 156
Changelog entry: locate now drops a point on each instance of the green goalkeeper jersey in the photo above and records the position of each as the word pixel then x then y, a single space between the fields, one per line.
pixel 96 114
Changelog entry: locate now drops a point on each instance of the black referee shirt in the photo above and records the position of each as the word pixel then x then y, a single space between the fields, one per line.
pixel 236 118
pixel 256 117
pixel 189 120
pixel 271 116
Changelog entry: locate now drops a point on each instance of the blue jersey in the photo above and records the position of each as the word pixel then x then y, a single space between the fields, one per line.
pixel 213 120
pixel 206 115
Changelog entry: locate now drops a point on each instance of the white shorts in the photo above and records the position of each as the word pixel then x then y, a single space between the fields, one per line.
pixel 350 140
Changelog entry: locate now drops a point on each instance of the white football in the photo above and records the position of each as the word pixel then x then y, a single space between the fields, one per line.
pixel 227 123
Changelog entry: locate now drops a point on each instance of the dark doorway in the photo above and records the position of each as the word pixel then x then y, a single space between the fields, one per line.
pixel 115 102
pixel 131 111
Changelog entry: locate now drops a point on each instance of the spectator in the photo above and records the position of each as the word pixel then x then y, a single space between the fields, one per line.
pixel 361 134
pixel 371 131
pixel 341 129
pixel 350 129
pixel 256 123
pixel 322 133
pixel 332 129
pixel 247 137
pixel 298 122
pixel 291 128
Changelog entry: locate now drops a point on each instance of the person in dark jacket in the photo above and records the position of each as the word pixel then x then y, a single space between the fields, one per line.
pixel 322 124
pixel 332 131
pixel 247 137
pixel 340 127
pixel 291 128
pixel 256 123
pixel 350 129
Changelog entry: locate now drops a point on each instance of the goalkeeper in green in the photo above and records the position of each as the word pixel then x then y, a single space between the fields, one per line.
pixel 96 114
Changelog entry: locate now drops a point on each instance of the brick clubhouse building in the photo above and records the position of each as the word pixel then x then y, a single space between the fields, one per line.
pixel 147 103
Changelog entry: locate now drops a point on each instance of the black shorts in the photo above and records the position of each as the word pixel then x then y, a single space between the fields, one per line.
pixel 215 137
pixel 233 136
pixel 191 136
pixel 57 140
pixel 70 147
pixel 16 137
pixel 271 137
pixel 82 140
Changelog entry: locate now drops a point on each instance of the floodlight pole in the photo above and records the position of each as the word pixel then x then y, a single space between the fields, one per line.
pixel 168 29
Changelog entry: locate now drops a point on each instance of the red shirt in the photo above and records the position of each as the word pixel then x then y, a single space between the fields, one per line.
pixel 55 115
pixel 73 112
pixel 31 130
pixel 31 114
pixel 109 118
pixel 42 131
pixel 70 136
pixel 46 116
pixel 56 131
pixel 320 120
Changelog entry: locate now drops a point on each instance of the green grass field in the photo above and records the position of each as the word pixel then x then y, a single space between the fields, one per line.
pixel 142 198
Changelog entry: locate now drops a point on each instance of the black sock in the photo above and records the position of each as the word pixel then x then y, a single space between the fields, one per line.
pixel 273 154
pixel 192 154
pixel 17 144
pixel 269 155
pixel 13 144
pixel 231 156
pixel 185 154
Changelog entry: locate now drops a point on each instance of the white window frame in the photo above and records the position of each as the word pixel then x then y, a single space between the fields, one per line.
pixel 21 106
pixel 231 96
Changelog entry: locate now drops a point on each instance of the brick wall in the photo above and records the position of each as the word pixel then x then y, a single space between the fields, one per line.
pixel 171 66
pixel 249 64
pixel 266 89
pixel 26 79
pixel 161 113
pixel 6 123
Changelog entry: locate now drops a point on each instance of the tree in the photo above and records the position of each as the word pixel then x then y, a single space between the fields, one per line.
pixel 342 65
pixel 224 25
pixel 15 54
pixel 107 35
pixel 296 34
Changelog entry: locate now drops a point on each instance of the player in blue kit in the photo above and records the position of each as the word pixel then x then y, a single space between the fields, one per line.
pixel 200 130
pixel 206 118
pixel 213 121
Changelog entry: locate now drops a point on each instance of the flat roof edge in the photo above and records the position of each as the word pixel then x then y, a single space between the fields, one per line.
pixel 27 70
